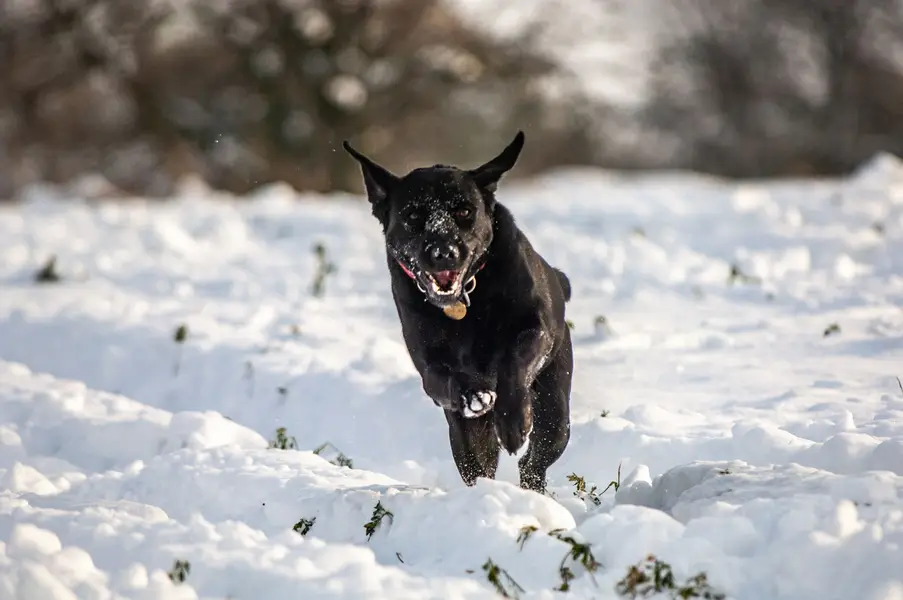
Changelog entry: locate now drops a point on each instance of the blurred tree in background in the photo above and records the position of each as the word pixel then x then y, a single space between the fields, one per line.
pixel 246 92
pixel 777 87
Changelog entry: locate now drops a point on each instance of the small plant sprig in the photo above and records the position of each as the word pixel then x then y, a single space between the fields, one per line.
pixel 602 326
pixel 341 460
pixel 302 527
pixel 570 324
pixel 567 576
pixel 604 413
pixel 323 270
pixel 48 273
pixel 615 483
pixel 737 275
pixel 579 552
pixel 179 571
pixel 595 497
pixel 580 489
pixel 376 519
pixel 179 337
pixel 249 376
pixel 503 583
pixel 655 576
pixel 831 329
pixel 283 441
pixel 524 534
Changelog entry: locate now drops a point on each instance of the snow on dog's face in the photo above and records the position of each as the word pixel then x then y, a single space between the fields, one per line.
pixel 437 220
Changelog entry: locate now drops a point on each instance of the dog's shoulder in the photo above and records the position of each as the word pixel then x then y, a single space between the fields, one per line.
pixel 507 234
pixel 522 251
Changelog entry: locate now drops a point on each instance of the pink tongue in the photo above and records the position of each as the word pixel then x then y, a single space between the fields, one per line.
pixel 445 278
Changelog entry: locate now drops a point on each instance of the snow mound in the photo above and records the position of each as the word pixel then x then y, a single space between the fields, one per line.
pixel 883 169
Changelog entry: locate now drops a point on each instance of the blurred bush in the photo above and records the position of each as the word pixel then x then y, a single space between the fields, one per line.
pixel 757 88
pixel 247 92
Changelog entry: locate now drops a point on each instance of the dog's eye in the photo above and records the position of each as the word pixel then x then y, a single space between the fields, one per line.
pixel 463 212
pixel 413 217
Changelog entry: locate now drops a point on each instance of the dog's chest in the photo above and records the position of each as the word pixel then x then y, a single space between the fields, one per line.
pixel 474 338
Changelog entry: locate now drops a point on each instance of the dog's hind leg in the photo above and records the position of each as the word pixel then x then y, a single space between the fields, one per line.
pixel 474 445
pixel 551 419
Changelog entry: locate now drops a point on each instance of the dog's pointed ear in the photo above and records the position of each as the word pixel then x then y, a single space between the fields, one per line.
pixel 378 181
pixel 488 175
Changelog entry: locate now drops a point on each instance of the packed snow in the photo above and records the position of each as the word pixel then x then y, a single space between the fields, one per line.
pixel 756 418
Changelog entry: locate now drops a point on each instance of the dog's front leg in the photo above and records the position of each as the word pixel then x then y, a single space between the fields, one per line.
pixel 517 369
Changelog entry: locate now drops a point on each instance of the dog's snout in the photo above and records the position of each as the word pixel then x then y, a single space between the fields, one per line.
pixel 443 254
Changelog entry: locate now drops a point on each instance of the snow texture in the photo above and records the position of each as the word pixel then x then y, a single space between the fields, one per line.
pixel 757 443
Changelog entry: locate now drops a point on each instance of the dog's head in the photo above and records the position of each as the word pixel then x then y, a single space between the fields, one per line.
pixel 437 220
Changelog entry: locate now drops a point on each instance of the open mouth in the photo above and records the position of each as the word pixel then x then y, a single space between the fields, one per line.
pixel 445 283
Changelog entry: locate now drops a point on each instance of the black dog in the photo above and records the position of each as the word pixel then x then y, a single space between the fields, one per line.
pixel 496 357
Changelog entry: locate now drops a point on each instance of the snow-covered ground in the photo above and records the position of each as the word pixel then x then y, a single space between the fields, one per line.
pixel 753 447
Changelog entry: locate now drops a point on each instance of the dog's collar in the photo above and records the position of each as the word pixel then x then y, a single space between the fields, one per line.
pixel 406 270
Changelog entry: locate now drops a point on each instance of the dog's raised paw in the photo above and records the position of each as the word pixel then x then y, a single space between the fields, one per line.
pixel 477 404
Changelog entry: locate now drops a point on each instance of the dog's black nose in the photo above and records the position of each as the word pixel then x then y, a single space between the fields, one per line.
pixel 443 253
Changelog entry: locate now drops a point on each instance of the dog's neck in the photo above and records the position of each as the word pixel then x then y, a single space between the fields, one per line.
pixel 503 229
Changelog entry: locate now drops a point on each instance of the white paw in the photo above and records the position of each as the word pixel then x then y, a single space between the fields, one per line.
pixel 477 404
